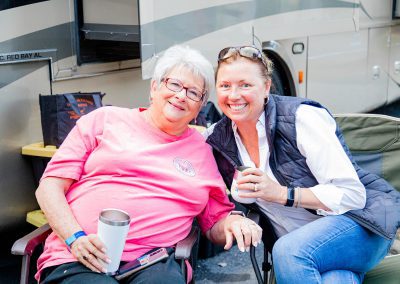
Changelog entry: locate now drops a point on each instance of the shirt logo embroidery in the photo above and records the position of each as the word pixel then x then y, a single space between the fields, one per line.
pixel 184 166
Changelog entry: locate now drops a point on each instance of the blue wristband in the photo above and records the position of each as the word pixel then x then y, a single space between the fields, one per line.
pixel 74 237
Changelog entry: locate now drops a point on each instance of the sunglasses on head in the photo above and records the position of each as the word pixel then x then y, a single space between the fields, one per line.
pixel 249 52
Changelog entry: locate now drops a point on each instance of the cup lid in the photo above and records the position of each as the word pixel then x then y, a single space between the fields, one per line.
pixel 114 217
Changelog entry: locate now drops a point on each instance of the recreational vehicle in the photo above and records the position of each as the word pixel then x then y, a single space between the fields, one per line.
pixel 342 53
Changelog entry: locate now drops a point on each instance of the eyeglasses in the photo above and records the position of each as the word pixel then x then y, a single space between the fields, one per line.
pixel 177 86
pixel 244 51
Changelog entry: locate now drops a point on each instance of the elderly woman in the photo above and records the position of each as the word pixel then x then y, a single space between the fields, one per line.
pixel 334 220
pixel 148 163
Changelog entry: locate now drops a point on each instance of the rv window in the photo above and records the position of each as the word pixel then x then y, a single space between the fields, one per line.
pixel 8 4
pixel 100 38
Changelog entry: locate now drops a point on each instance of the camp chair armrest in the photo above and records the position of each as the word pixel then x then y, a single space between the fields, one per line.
pixel 184 247
pixel 27 244
pixel 254 216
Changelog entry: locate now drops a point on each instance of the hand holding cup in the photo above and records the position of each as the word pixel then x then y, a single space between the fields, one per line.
pixel 235 191
pixel 113 227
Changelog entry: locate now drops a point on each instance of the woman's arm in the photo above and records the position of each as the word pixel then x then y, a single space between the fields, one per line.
pixel 272 191
pixel 339 188
pixel 51 198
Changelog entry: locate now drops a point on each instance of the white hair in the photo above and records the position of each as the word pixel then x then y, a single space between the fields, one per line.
pixel 179 56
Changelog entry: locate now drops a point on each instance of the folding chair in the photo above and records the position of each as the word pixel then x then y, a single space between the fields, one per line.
pixel 374 141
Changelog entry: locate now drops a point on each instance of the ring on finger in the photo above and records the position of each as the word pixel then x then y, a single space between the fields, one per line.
pixel 255 187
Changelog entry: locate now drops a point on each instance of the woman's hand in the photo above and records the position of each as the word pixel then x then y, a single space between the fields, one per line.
pixel 263 187
pixel 244 230
pixel 90 251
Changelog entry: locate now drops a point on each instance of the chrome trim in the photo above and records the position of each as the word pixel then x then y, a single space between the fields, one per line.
pixel 114 217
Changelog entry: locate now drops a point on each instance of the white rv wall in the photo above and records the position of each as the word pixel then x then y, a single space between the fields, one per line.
pixel 394 63
pixel 19 125
pixel 123 88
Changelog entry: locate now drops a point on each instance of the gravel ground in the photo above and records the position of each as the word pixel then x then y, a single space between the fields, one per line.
pixel 230 266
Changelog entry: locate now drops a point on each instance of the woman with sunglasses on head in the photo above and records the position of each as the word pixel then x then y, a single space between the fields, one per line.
pixel 334 221
pixel 147 162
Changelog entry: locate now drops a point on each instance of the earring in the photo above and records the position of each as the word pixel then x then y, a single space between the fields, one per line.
pixel 266 100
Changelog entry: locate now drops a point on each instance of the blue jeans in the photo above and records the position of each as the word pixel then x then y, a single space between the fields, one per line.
pixel 333 249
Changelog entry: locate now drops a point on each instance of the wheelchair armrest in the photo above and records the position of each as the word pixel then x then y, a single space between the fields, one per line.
pixel 184 247
pixel 27 244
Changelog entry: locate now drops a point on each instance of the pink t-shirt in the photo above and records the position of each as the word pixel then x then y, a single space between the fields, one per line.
pixel 120 161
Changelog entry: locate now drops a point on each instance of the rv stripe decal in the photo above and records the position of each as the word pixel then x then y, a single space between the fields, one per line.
pixel 13 72
pixel 184 27
pixel 60 40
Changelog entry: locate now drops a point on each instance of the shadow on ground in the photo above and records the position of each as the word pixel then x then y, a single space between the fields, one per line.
pixel 230 266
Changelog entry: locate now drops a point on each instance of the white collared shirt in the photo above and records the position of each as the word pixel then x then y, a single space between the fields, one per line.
pixel 338 188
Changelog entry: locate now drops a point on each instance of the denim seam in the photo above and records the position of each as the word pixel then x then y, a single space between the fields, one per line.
pixel 311 254
pixel 343 231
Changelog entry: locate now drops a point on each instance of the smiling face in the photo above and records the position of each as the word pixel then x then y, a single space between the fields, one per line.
pixel 241 90
pixel 172 111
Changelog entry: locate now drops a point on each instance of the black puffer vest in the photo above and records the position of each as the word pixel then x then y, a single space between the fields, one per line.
pixel 381 213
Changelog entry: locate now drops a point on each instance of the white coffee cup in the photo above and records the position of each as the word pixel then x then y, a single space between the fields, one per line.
pixel 113 227
pixel 235 191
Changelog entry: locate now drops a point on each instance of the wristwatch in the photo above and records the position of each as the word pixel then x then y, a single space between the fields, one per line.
pixel 290 196
pixel 236 212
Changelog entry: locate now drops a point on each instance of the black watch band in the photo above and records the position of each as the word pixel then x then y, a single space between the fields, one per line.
pixel 290 196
